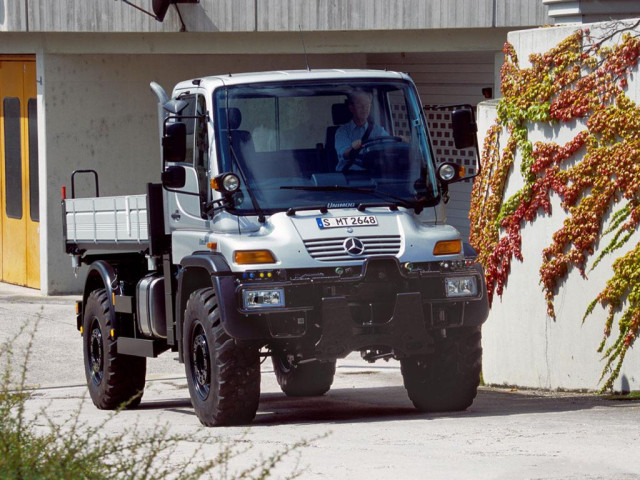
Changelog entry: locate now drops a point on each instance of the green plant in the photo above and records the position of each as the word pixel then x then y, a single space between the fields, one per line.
pixel 582 81
pixel 73 449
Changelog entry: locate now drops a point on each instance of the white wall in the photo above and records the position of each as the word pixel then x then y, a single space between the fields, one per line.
pixel 99 113
pixel 522 345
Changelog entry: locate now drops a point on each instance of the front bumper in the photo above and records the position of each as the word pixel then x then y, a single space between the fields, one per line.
pixel 379 305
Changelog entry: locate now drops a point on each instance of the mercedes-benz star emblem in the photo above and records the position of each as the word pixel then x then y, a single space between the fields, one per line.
pixel 353 246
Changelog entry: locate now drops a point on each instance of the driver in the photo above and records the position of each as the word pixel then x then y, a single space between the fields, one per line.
pixel 351 135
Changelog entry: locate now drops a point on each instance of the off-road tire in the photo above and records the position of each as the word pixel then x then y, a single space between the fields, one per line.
pixel 447 380
pixel 223 377
pixel 304 380
pixel 114 380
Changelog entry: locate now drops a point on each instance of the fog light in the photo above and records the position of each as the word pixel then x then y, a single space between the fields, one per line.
pixel 461 287
pixel 263 298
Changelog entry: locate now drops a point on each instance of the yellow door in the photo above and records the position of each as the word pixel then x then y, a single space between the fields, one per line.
pixel 19 193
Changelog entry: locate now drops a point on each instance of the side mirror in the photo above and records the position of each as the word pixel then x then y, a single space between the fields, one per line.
pixel 174 143
pixel 464 128
pixel 174 177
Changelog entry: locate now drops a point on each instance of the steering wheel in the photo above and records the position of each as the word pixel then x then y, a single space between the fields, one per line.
pixel 367 144
pixel 372 148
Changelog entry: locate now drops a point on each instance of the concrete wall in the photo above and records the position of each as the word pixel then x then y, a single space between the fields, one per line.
pixel 99 113
pixel 13 17
pixel 269 15
pixel 522 345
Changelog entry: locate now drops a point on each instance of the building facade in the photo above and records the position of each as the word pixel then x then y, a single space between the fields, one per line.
pixel 74 86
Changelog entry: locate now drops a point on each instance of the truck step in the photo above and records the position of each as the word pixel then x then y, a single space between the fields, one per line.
pixel 141 347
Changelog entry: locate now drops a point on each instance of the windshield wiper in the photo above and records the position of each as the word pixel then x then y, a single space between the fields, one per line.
pixel 417 205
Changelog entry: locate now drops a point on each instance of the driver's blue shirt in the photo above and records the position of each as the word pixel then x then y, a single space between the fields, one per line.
pixel 350 132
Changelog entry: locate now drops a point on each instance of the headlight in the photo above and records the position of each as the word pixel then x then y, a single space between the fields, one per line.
pixel 226 183
pixel 263 298
pixel 450 172
pixel 460 287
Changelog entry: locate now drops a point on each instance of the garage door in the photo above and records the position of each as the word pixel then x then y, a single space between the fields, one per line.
pixel 19 232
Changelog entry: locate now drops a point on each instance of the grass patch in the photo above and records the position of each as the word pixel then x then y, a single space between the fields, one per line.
pixel 625 397
pixel 40 447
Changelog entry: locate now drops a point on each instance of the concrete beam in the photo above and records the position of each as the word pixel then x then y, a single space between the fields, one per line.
pixel 440 40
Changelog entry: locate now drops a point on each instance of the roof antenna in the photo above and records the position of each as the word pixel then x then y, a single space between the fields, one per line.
pixel 306 59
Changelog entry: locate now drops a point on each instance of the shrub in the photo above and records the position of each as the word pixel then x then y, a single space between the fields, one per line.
pixel 73 449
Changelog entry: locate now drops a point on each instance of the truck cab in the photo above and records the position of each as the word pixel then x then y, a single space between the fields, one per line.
pixel 300 216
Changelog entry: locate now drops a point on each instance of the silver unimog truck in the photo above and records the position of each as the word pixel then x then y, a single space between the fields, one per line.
pixel 267 237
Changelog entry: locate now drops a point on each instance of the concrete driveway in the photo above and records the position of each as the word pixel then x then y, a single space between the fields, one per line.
pixel 371 428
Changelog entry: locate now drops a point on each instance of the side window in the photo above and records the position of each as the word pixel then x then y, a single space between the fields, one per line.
pixel 201 147
pixel 189 111
pixel 304 120
pixel 399 116
pixel 201 151
pixel 259 117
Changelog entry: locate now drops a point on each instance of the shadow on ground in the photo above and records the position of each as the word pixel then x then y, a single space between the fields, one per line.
pixel 384 404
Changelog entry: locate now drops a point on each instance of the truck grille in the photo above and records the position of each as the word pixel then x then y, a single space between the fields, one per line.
pixel 332 249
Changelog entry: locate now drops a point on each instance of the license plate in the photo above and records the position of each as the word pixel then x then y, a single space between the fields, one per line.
pixel 356 221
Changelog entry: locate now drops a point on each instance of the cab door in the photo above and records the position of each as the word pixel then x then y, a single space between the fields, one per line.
pixel 19 193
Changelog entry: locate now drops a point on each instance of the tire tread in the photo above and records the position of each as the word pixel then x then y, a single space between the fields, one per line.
pixel 447 380
pixel 238 384
pixel 124 375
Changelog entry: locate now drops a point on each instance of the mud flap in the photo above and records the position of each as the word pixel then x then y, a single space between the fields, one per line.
pixel 405 331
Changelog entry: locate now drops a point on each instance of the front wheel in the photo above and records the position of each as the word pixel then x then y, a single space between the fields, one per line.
pixel 114 380
pixel 305 379
pixel 448 379
pixel 223 377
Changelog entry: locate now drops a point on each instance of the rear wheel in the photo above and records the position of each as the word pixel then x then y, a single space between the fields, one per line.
pixel 305 379
pixel 223 377
pixel 113 379
pixel 447 380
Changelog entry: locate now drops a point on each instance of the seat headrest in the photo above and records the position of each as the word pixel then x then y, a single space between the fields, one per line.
pixel 340 113
pixel 235 118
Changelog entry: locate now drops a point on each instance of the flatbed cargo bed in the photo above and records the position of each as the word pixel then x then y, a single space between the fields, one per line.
pixel 115 223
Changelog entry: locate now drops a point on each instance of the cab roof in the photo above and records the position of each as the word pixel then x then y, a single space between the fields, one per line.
pixel 288 76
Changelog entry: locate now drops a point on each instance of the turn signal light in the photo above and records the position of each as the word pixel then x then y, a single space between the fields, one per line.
pixel 247 257
pixel 447 247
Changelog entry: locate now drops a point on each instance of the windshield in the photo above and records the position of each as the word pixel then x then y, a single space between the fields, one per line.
pixel 288 142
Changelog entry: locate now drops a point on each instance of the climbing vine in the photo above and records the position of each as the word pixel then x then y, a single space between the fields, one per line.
pixel 596 175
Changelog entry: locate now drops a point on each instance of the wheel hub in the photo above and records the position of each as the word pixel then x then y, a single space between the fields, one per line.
pixel 96 354
pixel 200 364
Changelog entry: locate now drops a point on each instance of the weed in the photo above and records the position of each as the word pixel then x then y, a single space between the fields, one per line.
pixel 40 447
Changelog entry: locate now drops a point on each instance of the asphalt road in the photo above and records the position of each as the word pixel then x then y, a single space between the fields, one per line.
pixel 364 428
